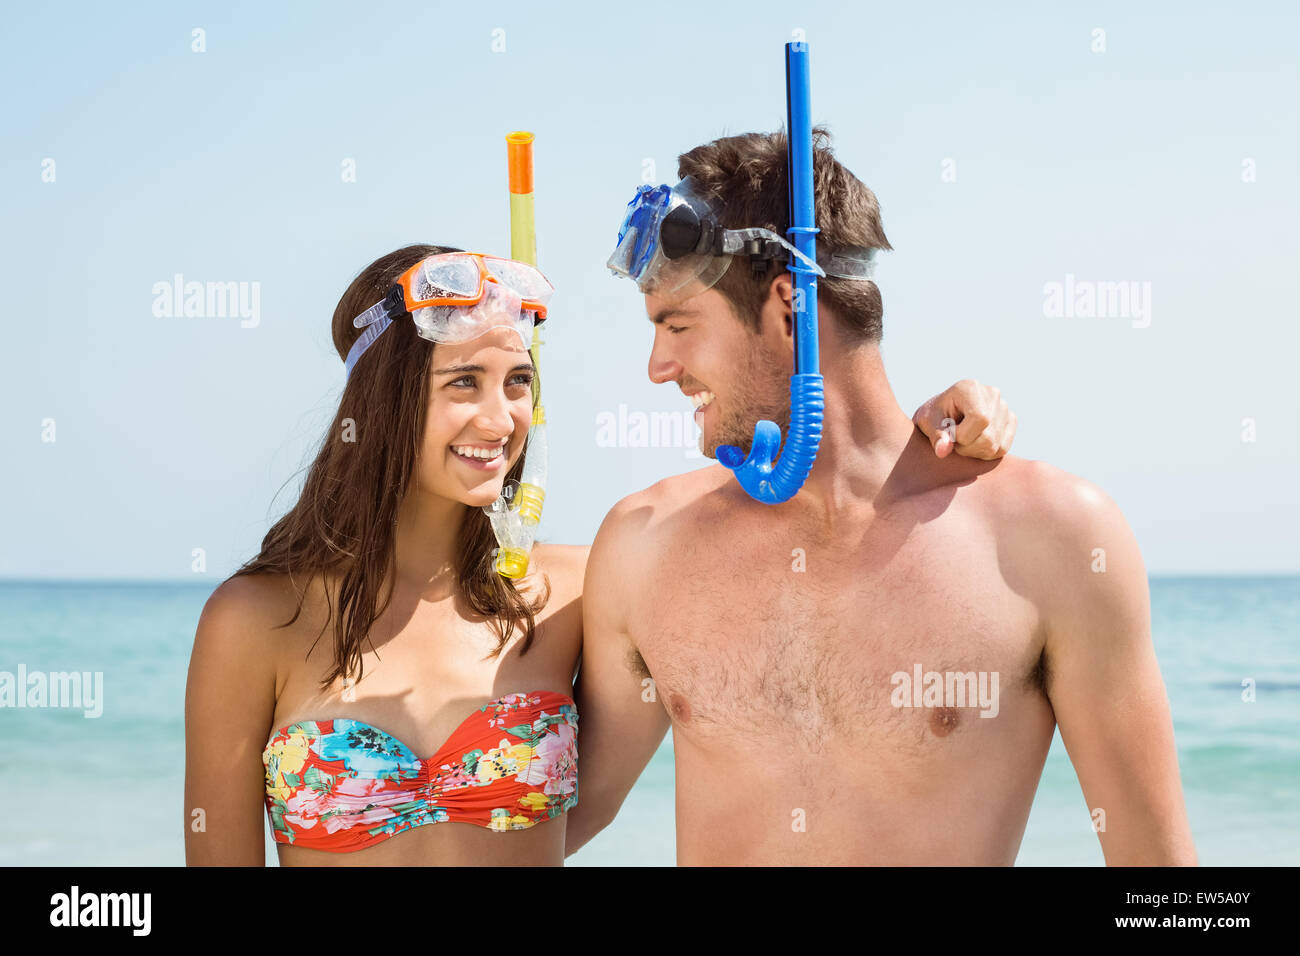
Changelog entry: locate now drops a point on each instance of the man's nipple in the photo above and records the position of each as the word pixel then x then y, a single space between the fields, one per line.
pixel 944 721
pixel 679 708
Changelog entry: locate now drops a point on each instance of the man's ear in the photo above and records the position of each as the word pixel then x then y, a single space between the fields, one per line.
pixel 780 301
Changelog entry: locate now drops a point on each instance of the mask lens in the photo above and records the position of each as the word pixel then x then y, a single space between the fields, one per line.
pixel 499 307
pixel 449 276
pixel 519 277
pixel 622 257
pixel 638 237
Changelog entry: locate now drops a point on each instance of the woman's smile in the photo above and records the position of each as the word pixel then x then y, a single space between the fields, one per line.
pixel 480 456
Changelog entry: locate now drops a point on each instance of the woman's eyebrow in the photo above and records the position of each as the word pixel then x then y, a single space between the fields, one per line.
pixel 450 369
pixel 464 369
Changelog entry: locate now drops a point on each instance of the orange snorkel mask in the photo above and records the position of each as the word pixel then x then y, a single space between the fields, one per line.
pixel 456 297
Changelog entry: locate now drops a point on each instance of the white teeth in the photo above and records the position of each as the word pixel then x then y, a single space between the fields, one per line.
pixel 485 454
pixel 700 399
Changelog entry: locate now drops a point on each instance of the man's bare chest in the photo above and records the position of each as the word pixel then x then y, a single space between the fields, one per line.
pixel 819 648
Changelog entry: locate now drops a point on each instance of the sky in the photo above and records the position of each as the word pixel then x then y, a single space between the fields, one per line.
pixel 1027 158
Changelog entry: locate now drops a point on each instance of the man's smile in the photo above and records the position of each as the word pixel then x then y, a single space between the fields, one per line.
pixel 701 400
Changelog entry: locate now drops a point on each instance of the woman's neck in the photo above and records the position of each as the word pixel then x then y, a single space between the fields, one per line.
pixel 426 533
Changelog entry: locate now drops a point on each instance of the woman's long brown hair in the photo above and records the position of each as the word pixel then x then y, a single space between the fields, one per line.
pixel 343 527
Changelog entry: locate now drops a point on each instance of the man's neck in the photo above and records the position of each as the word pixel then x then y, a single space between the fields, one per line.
pixel 864 434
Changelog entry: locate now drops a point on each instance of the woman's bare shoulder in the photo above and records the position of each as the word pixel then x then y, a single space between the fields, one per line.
pixel 250 599
pixel 564 564
pixel 246 613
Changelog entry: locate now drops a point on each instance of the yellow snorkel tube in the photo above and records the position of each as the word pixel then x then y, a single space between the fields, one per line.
pixel 517 513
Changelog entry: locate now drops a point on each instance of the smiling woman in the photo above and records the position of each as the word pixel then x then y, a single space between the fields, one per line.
pixel 389 548
pixel 489 455
pixel 391 433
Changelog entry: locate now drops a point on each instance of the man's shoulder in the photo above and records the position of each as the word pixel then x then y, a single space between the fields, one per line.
pixel 670 494
pixel 1054 527
pixel 1029 490
pixel 649 514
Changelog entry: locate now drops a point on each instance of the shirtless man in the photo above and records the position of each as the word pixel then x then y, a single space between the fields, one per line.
pixel 781 643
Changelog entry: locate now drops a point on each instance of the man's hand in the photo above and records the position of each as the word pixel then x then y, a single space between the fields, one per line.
pixel 970 416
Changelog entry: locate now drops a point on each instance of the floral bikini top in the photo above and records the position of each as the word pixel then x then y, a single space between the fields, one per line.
pixel 344 785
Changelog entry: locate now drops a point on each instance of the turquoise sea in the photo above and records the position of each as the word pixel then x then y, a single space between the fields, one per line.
pixel 108 790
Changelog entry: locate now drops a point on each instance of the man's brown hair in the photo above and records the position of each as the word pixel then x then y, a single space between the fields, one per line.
pixel 747 174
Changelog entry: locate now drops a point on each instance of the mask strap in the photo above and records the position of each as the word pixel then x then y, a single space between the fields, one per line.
pixel 851 262
pixel 374 329
pixel 374 320
pixel 734 242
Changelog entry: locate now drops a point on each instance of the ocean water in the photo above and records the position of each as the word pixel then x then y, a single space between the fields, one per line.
pixel 108 790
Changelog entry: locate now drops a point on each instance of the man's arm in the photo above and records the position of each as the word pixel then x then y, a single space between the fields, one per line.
pixel 621 722
pixel 1102 677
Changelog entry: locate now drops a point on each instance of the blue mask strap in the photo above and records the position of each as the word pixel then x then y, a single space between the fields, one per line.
pixel 374 320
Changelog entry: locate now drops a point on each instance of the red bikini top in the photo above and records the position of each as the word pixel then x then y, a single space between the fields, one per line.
pixel 345 785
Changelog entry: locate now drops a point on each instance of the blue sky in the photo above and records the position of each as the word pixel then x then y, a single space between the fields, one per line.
pixel 1169 160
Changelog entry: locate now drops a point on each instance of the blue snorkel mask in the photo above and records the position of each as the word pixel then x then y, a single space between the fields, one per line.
pixel 672 245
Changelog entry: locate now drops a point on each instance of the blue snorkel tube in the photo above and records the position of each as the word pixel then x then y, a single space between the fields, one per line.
pixel 765 482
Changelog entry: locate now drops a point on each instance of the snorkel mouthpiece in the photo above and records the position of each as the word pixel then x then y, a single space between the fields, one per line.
pixel 514 517
pixel 773 483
